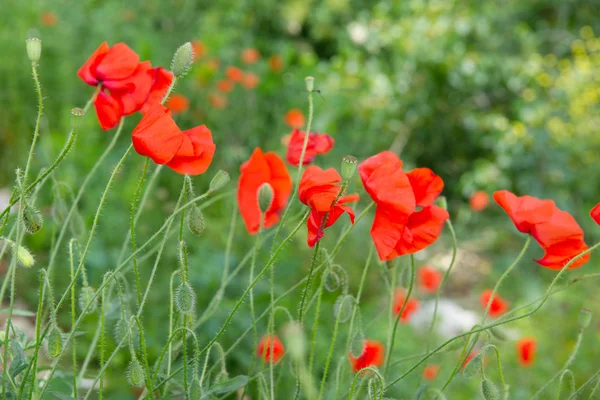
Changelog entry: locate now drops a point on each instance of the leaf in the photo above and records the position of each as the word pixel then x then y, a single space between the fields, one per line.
pixel 230 385
pixel 18 360
pixel 17 370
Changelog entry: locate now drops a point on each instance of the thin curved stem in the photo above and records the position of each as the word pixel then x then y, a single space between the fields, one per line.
pixel 134 202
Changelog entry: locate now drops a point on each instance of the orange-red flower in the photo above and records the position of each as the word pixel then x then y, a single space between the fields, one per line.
pixel 178 103
pixel 498 307
pixel 250 80
pixel 430 371
pixel 412 305
pixel 263 349
pixel 234 74
pixel 250 56
pixel 294 118
pixel 318 143
pixel 199 49
pixel 262 168
pixel 157 136
pixel 526 348
pixel 406 220
pixel 225 85
pixel 275 63
pixel 595 213
pixel 429 279
pixel 49 19
pixel 372 355
pixel 471 356
pixel 318 190
pixel 217 101
pixel 479 200
pixel 556 231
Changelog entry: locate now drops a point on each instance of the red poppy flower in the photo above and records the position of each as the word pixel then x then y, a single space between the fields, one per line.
pixel 262 168
pixel 471 356
pixel 406 220
pixel 372 356
pixel 250 80
pixel 250 56
pixel 108 110
pixel 225 86
pixel 275 63
pixel 318 143
pixel 157 136
pixel 318 190
pixel 199 49
pixel 294 118
pixel 429 279
pixel 556 231
pixel 177 103
pixel 412 305
pixel 234 74
pixel 498 307
pixel 595 213
pixel 263 349
pixel 217 101
pixel 526 349
pixel 49 19
pixel 109 64
pixel 430 371
pixel 479 201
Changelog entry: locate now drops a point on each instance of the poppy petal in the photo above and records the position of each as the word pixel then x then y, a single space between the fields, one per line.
pixel 118 63
pixel 108 109
pixel 87 72
pixel 426 186
pixel 157 136
pixel 595 213
pixel 195 153
pixel 524 211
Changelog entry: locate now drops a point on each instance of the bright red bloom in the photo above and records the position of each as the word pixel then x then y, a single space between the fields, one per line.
pixel 556 231
pixel 178 103
pixel 294 118
pixel 250 56
pixel 157 136
pixel 429 279
pixel 412 305
pixel 372 355
pixel 108 110
pixel 234 74
pixel 263 349
pixel 430 371
pixel 262 168
pixel 595 213
pixel 318 190
pixel 526 349
pixel 318 143
pixel 498 307
pixel 406 220
pixel 479 200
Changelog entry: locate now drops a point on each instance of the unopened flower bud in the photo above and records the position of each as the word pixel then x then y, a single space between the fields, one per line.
pixel 489 390
pixel 196 220
pixel 310 83
pixel 218 181
pixel 265 197
pixel 32 219
pixel 498 333
pixel 24 257
pixel 195 390
pixel 585 317
pixel 441 202
pixel 86 296
pixel 293 337
pixel 349 165
pixel 474 366
pixel 185 298
pixel 121 330
pixel 182 60
pixel 34 49
pixel 76 116
pixel 135 373
pixel 54 342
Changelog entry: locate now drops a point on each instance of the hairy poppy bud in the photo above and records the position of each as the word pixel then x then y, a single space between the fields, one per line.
pixel 474 366
pixel 585 317
pixel 76 115
pixel 185 298
pixel 86 296
pixel 265 197
pixel 349 165
pixel 182 60
pixel 195 390
pixel 310 83
pixel 135 373
pixel 54 342
pixel 342 307
pixel 24 257
pixel 32 219
pixel 34 49
pixel 121 330
pixel 196 220
pixel 441 202
pixel 489 390
pixel 218 181
pixel 293 337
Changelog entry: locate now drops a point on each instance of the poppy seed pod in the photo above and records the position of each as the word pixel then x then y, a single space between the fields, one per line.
pixel 489 390
pixel 265 197
pixel 310 83
pixel 135 373
pixel 185 298
pixel 76 115
pixel 54 342
pixel 32 219
pixel 585 317
pixel 349 166
pixel 182 60
pixel 195 390
pixel 220 179
pixel 34 49
pixel 196 221
pixel 86 296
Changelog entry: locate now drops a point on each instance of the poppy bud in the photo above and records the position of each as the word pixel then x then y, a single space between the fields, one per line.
pixel 498 333
pixel 293 337
pixel 76 115
pixel 196 221
pixel 342 308
pixel 489 390
pixel 182 60
pixel 195 390
pixel 32 219
pixel 24 257
pixel 34 49
pixel 357 344
pixel 585 317
pixel 474 366
pixel 135 373
pixel 310 83
pixel 87 296
pixel 265 197
pixel 54 342
pixel 441 202
pixel 121 330
pixel 349 165
pixel 220 179
pixel 185 298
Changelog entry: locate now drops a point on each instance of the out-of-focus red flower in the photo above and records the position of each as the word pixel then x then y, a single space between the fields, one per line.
pixel 199 49
pixel 471 356
pixel 177 103
pixel 217 101
pixel 479 200
pixel 318 143
pixel 595 213
pixel 412 305
pixel 225 85
pixel 526 348
pixel 234 74
pixel 262 168
pixel 429 279
pixel 275 63
pixel 49 19
pixel 157 136
pixel 319 189
pixel 250 80
pixel 430 372
pixel 263 349
pixel 250 56
pixel 498 307
pixel 294 118
pixel 213 64
pixel 372 356
pixel 399 226
pixel 556 231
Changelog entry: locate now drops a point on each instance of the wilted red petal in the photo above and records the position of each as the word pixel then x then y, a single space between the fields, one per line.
pixel 157 136
pixel 87 72
pixel 133 91
pixel 498 306
pixel 595 213
pixel 118 63
pixel 524 211
pixel 526 349
pixel 196 152
pixel 426 185
pixel 372 355
pixel 162 81
pixel 108 109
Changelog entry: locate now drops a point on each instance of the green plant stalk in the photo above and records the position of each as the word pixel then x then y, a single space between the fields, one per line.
pixel 36 131
pixel 171 315
pixel 560 382
pixel 251 278
pixel 132 219
pixel 361 285
pixel 38 329
pixel 313 340
pixel 329 354
pixel 144 354
pixel 578 392
pixel 73 317
pixel 102 341
pixel 388 359
pixel 359 374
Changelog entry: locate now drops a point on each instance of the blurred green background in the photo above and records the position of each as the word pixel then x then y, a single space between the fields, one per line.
pixel 489 94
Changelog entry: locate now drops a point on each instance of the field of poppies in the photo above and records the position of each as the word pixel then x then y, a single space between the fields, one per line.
pixel 300 200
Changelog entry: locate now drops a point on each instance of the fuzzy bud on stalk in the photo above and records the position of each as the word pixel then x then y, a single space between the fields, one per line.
pixel 182 60
pixel 195 390
pixel 265 197
pixel 185 298
pixel 473 367
pixel 54 342
pixel 220 179
pixel 32 219
pixel 585 317
pixel 349 166
pixel 310 83
pixel 135 373
pixel 489 390
pixel 196 221
pixel 293 337
pixel 24 257
pixel 86 296
pixel 34 49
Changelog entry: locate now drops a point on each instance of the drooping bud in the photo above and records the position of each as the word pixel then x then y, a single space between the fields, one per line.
pixel 441 202
pixel 585 317
pixel 196 220
pixel 489 390
pixel 474 366
pixel 293 337
pixel 195 390
pixel 357 344
pixel 54 342
pixel 121 330
pixel 310 83
pixel 182 60
pixel 86 296
pixel 342 308
pixel 349 166
pixel 32 219
pixel 34 49
pixel 135 373
pixel 265 197
pixel 185 298
pixel 76 116
pixel 220 179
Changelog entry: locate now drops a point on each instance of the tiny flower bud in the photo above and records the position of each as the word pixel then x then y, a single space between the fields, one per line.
pixel 342 308
pixel 121 330
pixel 182 60
pixel 310 83
pixel 196 220
pixel 34 49
pixel 489 390
pixel 474 366
pixel 32 219
pixel 218 181
pixel 265 197
pixel 185 298
pixel 349 165
pixel 585 317
pixel 86 296
pixel 441 202
pixel 76 115
pixel 135 373
pixel 24 257
pixel 293 337
pixel 195 390
pixel 54 342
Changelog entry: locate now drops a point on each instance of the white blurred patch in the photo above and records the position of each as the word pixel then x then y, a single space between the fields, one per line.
pixel 5 199
pixel 358 32
pixel 451 319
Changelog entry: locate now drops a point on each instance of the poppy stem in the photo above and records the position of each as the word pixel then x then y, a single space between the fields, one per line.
pixel 73 316
pixel 134 202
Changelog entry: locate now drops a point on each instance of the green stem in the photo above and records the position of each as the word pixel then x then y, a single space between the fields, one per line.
pixel 38 328
pixel 363 279
pixel 36 131
pixel 308 282
pixel 134 202
pixel 330 353
pixel 102 340
pixel 360 374
pixel 73 316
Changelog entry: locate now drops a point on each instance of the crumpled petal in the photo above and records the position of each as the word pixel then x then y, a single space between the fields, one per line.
pixel 157 136
pixel 108 110
pixel 195 153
